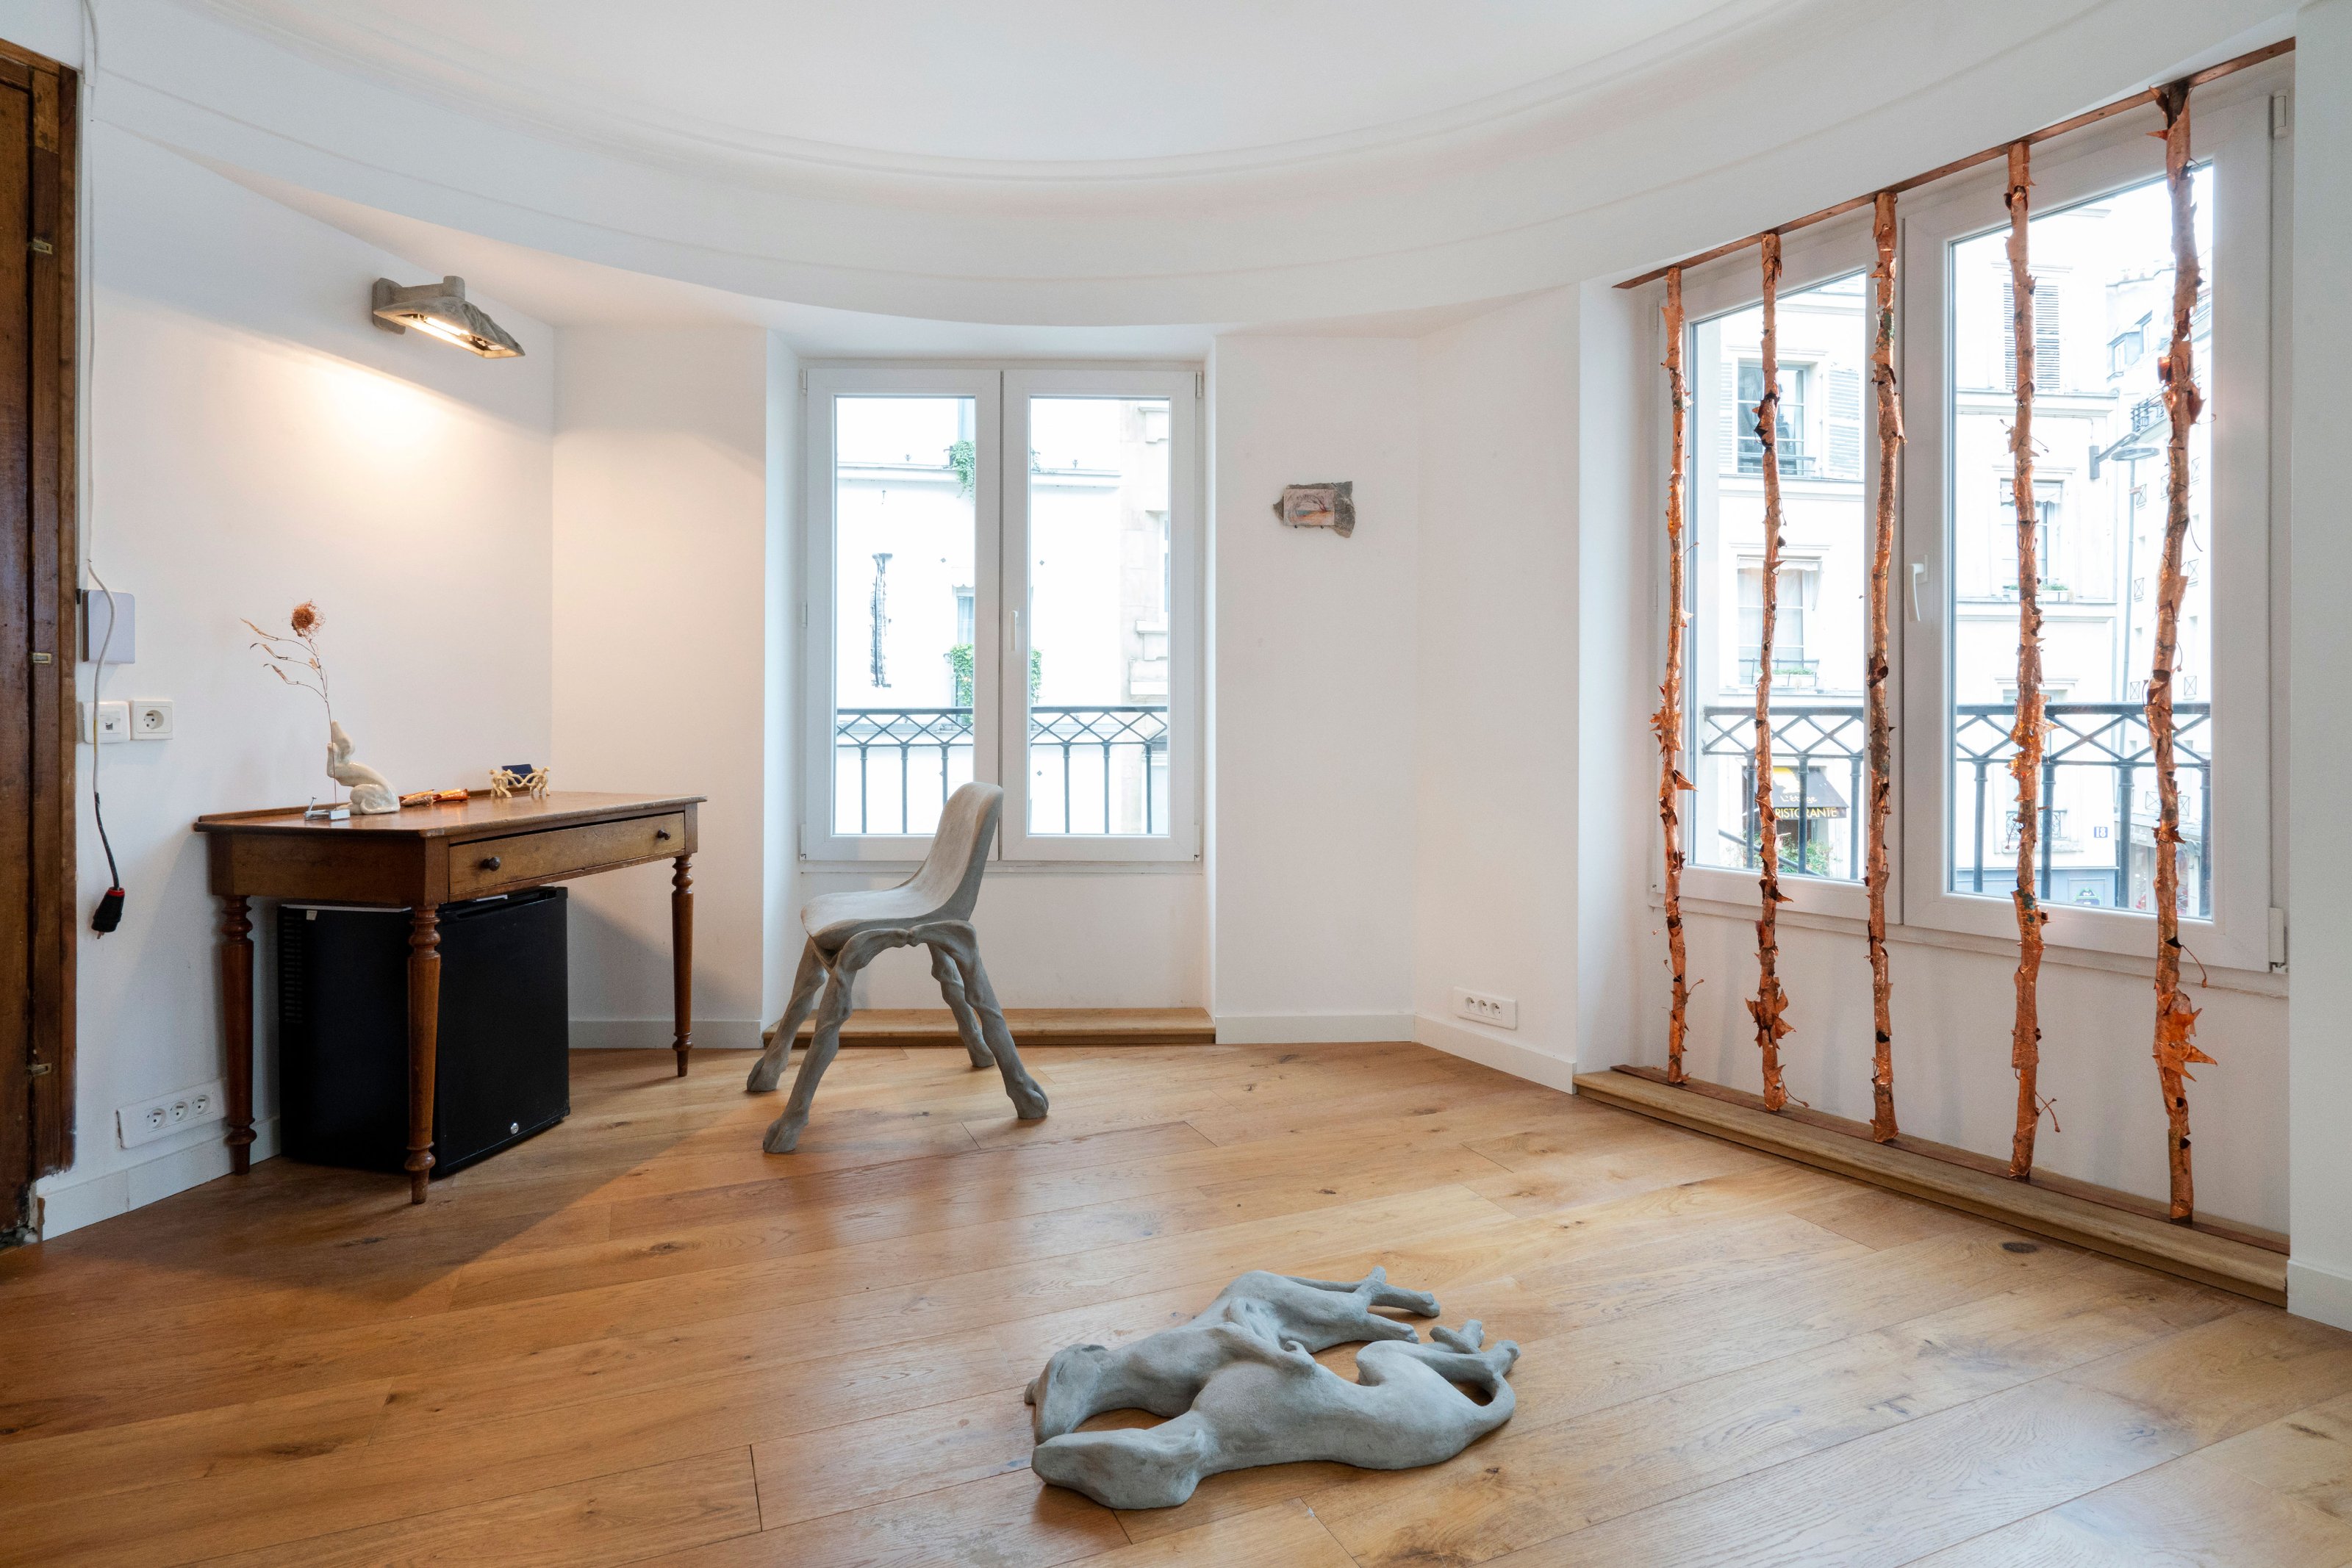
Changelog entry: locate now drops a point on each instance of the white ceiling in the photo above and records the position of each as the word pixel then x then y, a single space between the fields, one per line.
pixel 1388 164
pixel 930 85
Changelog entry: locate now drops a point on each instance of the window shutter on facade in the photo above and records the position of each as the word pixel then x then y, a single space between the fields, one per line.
pixel 1743 437
pixel 1842 424
pixel 2046 368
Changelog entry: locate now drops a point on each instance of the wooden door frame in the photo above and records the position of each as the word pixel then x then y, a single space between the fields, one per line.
pixel 53 472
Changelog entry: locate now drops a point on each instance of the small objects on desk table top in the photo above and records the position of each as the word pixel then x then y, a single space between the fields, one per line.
pixel 432 797
pixel 519 776
pixel 297 662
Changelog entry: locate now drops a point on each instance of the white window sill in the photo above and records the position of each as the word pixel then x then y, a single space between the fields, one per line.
pixel 2254 982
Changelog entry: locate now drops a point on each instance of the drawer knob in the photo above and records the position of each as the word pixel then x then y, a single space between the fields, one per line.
pixel 661 832
pixel 491 863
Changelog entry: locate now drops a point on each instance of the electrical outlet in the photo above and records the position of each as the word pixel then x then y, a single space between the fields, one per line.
pixel 1500 1011
pixel 169 1113
pixel 151 718
pixel 110 723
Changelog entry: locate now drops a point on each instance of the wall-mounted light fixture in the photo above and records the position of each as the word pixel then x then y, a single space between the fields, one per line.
pixel 441 309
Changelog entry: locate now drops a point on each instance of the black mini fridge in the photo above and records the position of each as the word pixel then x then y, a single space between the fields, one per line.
pixel 501 1067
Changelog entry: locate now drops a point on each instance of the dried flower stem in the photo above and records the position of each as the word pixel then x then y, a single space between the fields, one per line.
pixel 1880 727
pixel 2025 767
pixel 1771 1004
pixel 2175 1021
pixel 1668 720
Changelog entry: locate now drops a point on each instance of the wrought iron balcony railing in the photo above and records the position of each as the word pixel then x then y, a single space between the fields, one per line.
pixel 1824 749
pixel 2095 738
pixel 1817 745
pixel 901 753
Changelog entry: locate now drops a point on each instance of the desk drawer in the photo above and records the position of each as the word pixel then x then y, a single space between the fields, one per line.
pixel 493 866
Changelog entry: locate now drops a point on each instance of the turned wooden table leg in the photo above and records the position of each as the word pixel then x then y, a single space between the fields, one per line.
pixel 681 959
pixel 424 1039
pixel 236 1026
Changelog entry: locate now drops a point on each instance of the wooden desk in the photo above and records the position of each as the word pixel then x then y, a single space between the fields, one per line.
pixel 419 859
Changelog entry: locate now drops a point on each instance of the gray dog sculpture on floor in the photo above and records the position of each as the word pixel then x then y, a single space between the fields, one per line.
pixel 1243 1387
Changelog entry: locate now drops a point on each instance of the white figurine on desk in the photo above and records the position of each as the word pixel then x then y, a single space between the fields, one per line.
pixel 371 792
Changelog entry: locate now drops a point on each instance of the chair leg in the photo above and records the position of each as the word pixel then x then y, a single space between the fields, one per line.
pixel 806 987
pixel 784 1131
pixel 1028 1099
pixel 943 970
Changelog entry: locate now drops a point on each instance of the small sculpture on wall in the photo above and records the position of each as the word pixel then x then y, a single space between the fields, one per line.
pixel 1331 506
pixel 297 662
pixel 518 778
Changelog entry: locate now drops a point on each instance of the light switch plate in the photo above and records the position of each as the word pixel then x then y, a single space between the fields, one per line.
pixel 123 649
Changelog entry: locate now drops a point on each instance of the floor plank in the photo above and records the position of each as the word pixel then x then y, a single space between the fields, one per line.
pixel 637 1337
pixel 617 1519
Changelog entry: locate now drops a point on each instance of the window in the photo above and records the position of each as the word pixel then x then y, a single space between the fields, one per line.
pixel 1004 588
pixel 1789 430
pixel 1999 534
pixel 1791 667
pixel 1817 634
pixel 2101 256
pixel 2103 269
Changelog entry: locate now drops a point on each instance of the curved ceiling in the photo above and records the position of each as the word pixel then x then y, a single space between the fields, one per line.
pixel 1072 162
pixel 1042 88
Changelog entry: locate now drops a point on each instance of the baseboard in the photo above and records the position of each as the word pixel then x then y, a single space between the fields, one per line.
pixel 1488 1049
pixel 2208 1252
pixel 1312 1029
pixel 656 1034
pixel 68 1204
pixel 2323 1295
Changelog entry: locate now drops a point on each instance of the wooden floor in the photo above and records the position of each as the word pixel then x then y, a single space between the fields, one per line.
pixel 638 1339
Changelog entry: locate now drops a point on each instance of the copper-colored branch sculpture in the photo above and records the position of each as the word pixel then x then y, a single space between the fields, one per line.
pixel 1881 729
pixel 1668 720
pixel 1769 1003
pixel 2175 1021
pixel 2025 767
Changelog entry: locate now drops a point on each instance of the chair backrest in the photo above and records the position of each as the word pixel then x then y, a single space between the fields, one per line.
pixel 949 878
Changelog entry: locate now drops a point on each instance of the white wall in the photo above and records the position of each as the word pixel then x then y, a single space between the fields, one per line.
pixel 253 442
pixel 1312 821
pixel 2320 920
pixel 1494 846
pixel 663 598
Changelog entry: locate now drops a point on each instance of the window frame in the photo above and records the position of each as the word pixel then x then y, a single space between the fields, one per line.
pixel 1181 388
pixel 1819 255
pixel 2233 127
pixel 819 642
pixel 1001 556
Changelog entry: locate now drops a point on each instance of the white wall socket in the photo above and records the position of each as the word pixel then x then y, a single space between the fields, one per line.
pixel 113 723
pixel 169 1113
pixel 151 718
pixel 1500 1011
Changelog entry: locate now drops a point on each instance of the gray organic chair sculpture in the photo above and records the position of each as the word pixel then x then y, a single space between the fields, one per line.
pixel 847 930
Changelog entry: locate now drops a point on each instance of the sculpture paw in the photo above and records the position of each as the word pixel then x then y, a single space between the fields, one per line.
pixel 783 1135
